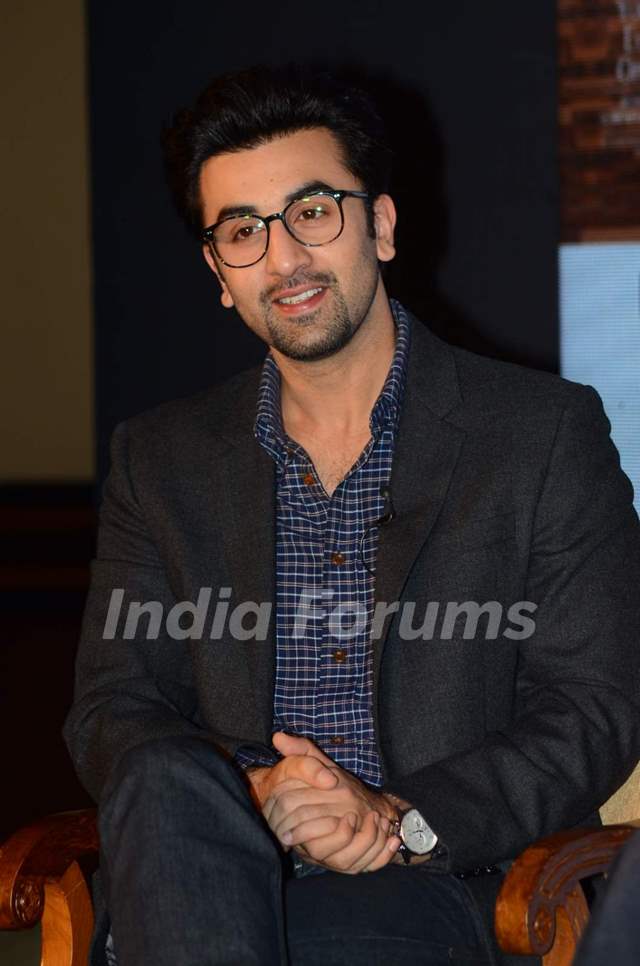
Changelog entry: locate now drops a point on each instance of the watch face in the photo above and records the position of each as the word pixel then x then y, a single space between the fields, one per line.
pixel 416 834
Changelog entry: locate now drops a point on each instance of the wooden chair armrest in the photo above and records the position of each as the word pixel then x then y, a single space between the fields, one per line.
pixel 544 882
pixel 38 854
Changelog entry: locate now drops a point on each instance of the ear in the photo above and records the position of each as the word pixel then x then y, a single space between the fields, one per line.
pixel 225 295
pixel 384 213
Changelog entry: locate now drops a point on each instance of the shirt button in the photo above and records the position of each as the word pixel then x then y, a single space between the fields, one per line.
pixel 337 740
pixel 337 558
pixel 308 479
pixel 339 655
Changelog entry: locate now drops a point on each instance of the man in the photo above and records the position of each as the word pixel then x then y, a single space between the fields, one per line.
pixel 613 931
pixel 367 753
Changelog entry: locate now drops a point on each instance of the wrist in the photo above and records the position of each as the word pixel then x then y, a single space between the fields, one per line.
pixel 255 775
pixel 396 804
pixel 387 808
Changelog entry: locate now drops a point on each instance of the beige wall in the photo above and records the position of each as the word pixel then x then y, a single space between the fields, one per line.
pixel 46 366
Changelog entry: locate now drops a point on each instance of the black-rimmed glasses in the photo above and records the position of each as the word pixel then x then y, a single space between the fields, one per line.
pixel 316 218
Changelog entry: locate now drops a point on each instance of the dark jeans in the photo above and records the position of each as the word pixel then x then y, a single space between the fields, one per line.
pixel 192 876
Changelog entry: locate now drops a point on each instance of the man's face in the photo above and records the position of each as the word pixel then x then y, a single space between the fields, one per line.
pixel 342 277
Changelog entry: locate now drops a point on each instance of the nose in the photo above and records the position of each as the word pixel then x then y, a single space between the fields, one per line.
pixel 285 255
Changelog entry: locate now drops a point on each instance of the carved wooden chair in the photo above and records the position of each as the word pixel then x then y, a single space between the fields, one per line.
pixel 541 909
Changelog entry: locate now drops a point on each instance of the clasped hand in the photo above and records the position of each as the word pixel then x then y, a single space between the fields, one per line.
pixel 322 811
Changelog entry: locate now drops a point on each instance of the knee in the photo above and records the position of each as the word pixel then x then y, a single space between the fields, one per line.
pixel 162 766
pixel 157 755
pixel 173 783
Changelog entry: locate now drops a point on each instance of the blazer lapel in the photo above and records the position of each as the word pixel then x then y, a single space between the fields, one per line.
pixel 426 451
pixel 247 511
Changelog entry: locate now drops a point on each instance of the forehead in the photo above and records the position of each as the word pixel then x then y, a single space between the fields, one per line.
pixel 262 177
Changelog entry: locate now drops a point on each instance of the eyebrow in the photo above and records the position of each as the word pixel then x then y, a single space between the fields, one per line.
pixel 299 192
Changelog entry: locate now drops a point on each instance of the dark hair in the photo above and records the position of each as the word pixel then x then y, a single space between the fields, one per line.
pixel 251 107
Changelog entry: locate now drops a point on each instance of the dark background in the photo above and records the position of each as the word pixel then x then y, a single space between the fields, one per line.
pixel 468 90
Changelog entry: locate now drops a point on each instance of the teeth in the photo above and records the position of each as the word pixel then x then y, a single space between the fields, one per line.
pixel 294 299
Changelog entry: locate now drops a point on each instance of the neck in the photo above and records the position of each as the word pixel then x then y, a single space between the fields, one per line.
pixel 335 395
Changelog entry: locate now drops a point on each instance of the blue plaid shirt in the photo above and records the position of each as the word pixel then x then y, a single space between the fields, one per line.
pixel 324 591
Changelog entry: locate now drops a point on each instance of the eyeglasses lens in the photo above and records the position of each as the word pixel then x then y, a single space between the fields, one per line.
pixel 314 220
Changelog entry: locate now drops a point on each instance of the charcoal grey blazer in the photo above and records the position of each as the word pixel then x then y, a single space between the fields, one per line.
pixel 506 488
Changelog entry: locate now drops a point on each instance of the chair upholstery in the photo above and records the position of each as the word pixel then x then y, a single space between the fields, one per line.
pixel 624 806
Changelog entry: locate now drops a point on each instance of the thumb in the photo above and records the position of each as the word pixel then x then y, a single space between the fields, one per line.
pixel 312 766
pixel 293 745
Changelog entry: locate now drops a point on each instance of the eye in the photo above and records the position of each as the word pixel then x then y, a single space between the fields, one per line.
pixel 246 230
pixel 311 213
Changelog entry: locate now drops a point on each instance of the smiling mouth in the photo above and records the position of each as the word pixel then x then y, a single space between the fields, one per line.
pixel 302 297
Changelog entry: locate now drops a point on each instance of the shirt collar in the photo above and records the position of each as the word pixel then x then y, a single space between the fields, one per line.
pixel 385 414
pixel 388 406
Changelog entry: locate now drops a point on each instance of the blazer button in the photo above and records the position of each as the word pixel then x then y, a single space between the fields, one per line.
pixel 308 479
pixel 337 740
pixel 339 655
pixel 337 558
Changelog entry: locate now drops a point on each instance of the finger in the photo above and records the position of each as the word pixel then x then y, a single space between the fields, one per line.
pixel 342 858
pixel 281 797
pixel 315 772
pixel 305 813
pixel 308 769
pixel 263 786
pixel 388 854
pixel 320 848
pixel 348 859
pixel 379 854
pixel 283 801
pixel 392 846
pixel 277 791
pixel 308 831
pixel 294 745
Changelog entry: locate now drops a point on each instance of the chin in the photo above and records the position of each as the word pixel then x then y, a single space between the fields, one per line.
pixel 310 354
pixel 314 350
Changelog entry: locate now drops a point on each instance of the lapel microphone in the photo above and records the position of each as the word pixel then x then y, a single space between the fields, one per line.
pixel 387 516
pixel 388 509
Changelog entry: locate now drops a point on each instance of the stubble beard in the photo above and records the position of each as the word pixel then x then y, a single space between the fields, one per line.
pixel 333 325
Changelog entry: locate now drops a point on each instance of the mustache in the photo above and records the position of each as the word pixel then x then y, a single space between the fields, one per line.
pixel 317 278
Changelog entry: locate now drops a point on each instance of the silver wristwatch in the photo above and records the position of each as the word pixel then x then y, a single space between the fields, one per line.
pixel 416 835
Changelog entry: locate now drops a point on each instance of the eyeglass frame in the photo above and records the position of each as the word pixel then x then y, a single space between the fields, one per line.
pixel 338 196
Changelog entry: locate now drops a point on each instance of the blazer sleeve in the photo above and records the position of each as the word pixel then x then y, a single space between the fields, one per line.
pixel 128 689
pixel 575 735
